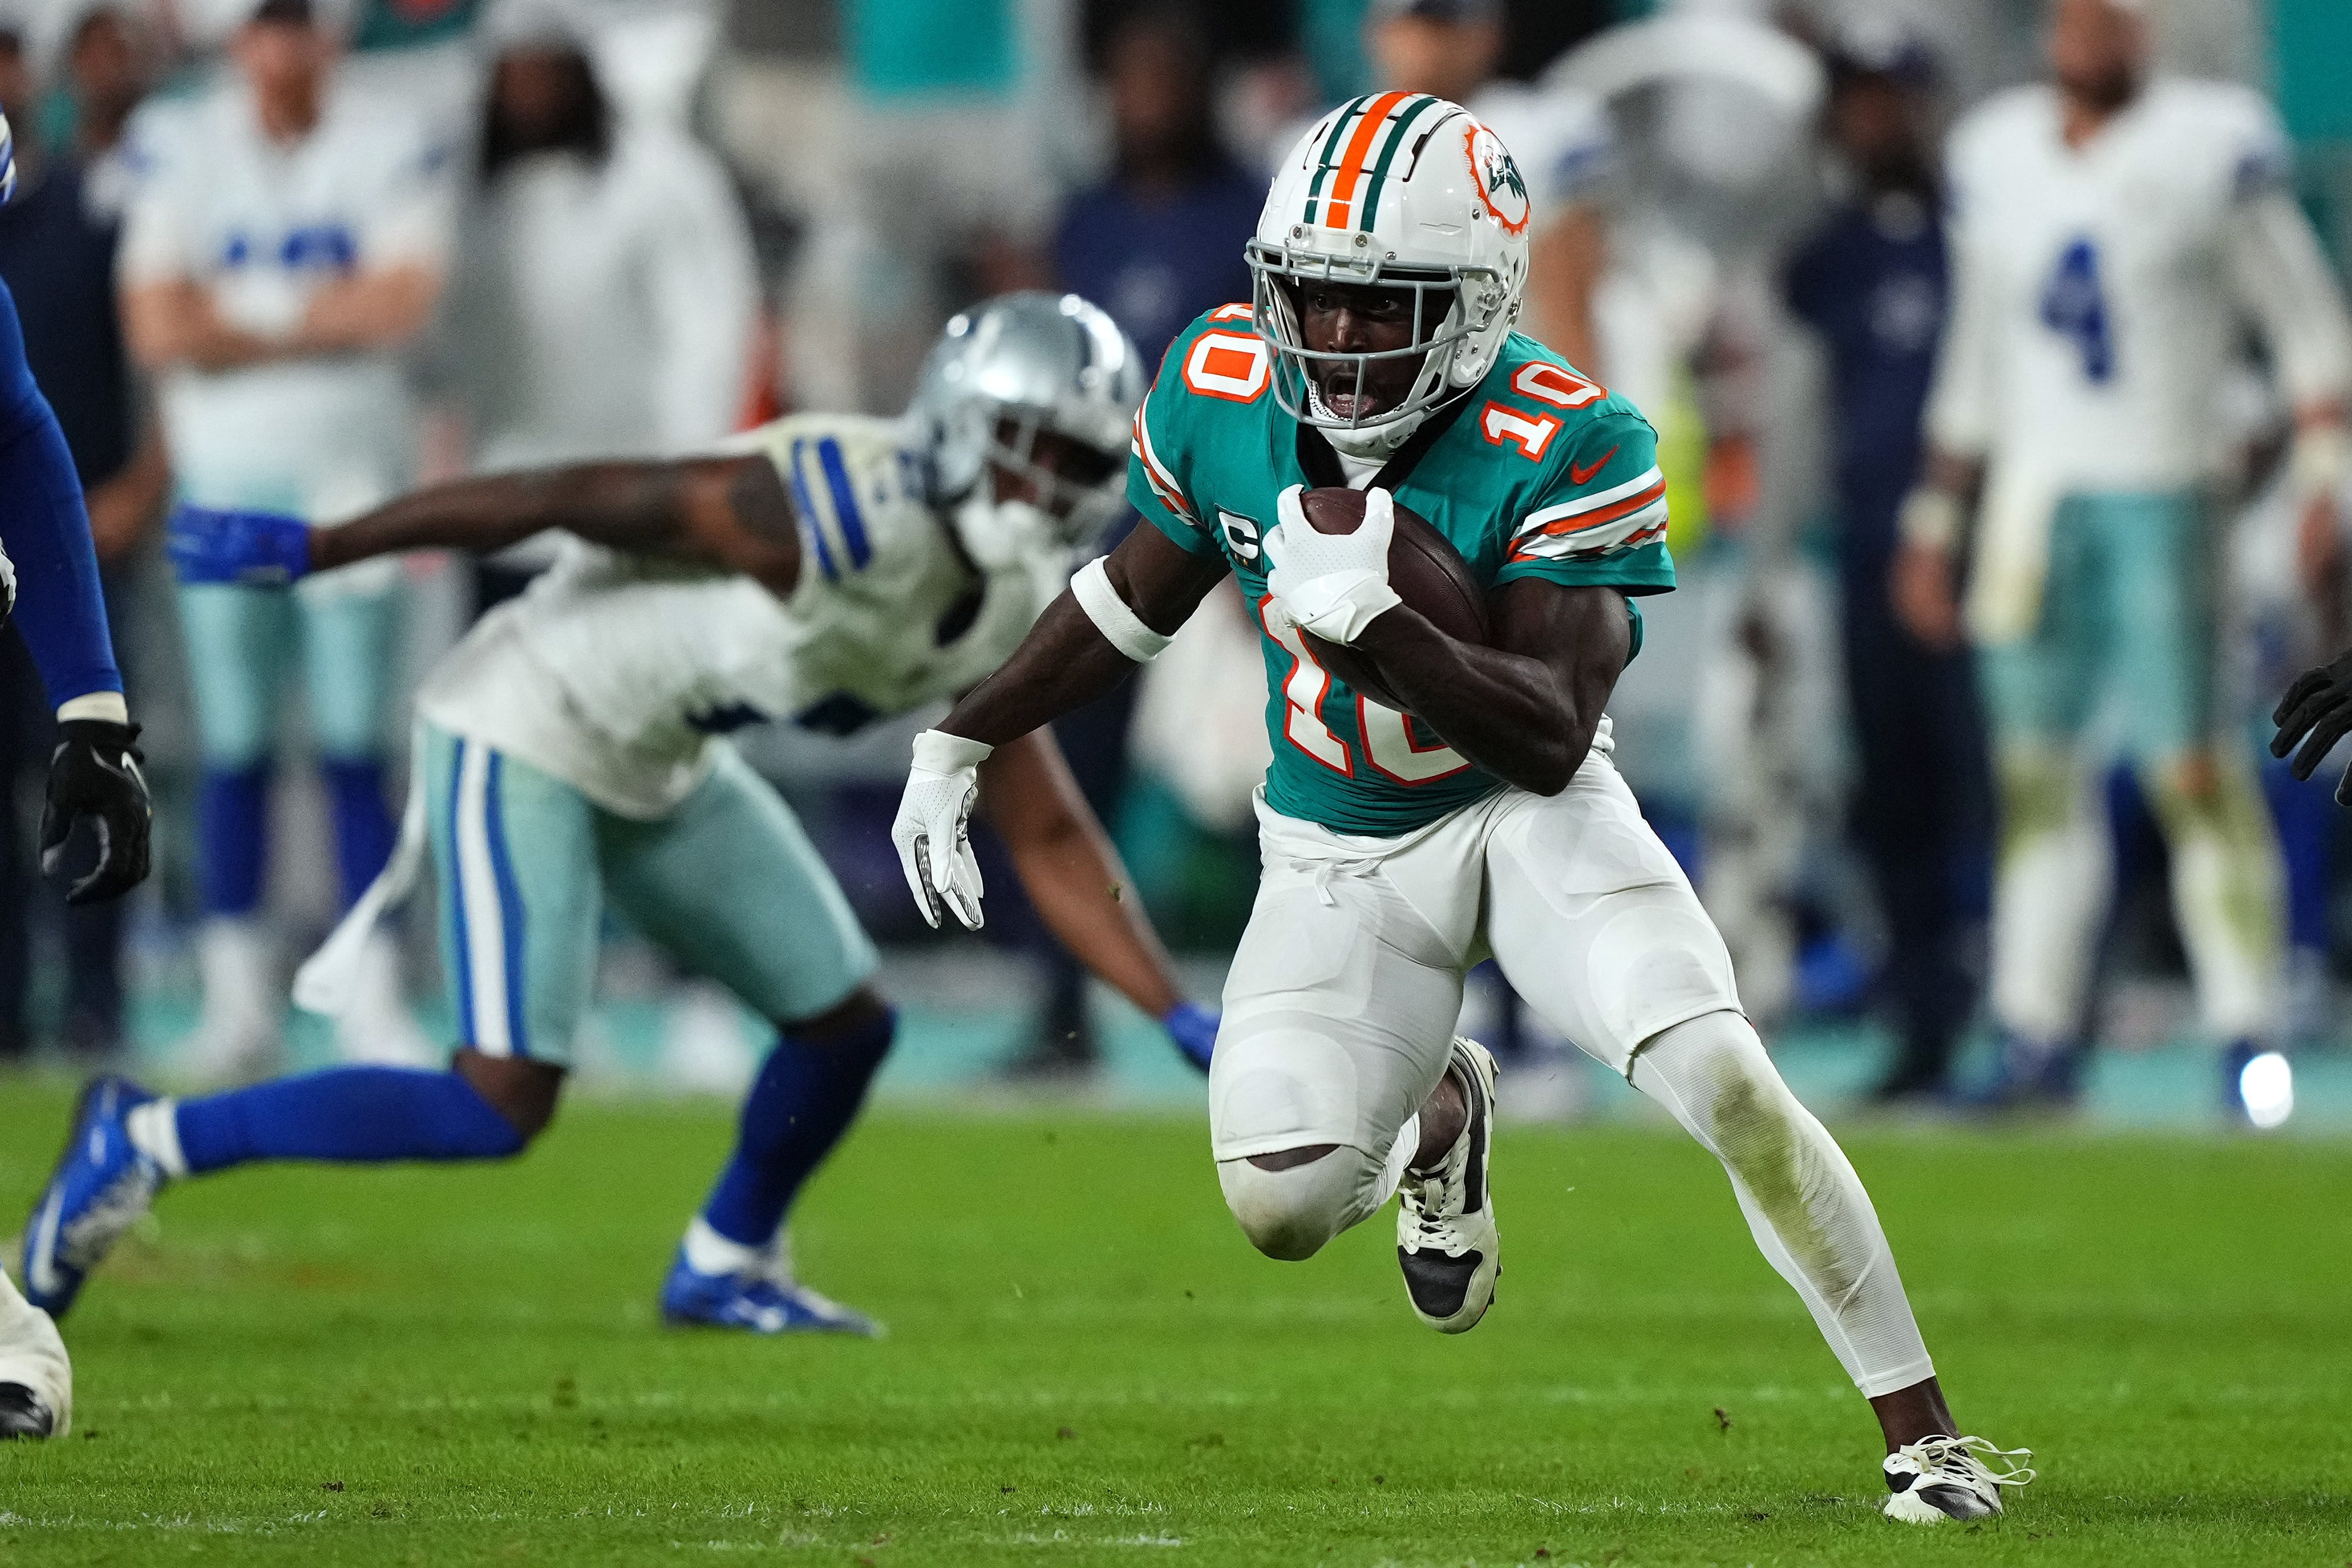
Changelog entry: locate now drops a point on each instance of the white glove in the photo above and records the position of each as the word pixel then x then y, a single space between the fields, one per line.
pixel 932 830
pixel 1333 585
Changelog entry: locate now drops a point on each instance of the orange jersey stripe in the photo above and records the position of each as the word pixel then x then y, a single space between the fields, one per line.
pixel 1610 514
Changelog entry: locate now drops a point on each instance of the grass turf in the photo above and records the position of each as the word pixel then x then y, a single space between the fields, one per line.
pixel 1087 1364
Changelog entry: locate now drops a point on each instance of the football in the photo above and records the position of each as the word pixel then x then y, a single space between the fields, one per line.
pixel 1427 572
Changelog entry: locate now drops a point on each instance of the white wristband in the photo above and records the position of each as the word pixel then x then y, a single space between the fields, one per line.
pixel 936 751
pixel 1121 625
pixel 1931 518
pixel 108 707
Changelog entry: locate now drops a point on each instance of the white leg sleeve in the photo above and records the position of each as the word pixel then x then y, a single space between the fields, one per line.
pixel 1803 1202
pixel 32 1353
pixel 2049 892
pixel 2227 897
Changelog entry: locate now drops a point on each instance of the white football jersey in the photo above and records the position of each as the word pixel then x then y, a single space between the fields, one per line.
pixel 1563 141
pixel 2099 292
pixel 262 226
pixel 613 672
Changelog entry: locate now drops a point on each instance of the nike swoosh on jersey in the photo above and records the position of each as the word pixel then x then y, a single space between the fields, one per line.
pixel 1583 475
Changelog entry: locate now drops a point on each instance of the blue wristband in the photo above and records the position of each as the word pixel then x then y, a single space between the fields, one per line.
pixel 254 550
pixel 1195 1030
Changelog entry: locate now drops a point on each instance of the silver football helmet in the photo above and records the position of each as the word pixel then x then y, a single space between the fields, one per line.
pixel 1006 373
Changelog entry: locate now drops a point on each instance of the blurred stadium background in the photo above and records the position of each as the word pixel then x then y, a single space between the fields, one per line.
pixel 790 197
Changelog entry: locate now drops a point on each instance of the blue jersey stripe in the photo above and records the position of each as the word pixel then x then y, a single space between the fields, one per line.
pixel 511 911
pixel 808 515
pixel 454 899
pixel 844 502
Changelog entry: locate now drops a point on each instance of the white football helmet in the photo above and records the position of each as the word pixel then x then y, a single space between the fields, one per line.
pixel 1405 191
pixel 1003 373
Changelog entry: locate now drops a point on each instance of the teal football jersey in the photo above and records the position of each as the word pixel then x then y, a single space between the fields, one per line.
pixel 1537 473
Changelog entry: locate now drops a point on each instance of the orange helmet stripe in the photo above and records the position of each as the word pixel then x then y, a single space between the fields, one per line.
pixel 1350 177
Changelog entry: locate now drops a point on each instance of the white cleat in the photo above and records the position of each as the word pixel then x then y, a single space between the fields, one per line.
pixel 1936 1478
pixel 1446 1241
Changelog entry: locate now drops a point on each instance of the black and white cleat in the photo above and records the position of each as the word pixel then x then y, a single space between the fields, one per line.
pixel 22 1414
pixel 1446 1241
pixel 1939 1478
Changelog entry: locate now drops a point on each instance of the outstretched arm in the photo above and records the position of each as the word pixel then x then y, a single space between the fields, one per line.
pixel 729 512
pixel 1071 870
pixel 1141 592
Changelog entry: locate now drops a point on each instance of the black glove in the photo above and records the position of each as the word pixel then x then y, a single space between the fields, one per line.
pixel 94 773
pixel 2317 707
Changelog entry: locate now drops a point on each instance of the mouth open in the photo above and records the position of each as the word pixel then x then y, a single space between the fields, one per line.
pixel 1337 388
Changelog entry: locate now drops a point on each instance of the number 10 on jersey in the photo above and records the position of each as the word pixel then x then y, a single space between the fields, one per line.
pixel 1387 735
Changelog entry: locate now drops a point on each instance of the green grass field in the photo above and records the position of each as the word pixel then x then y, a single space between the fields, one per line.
pixel 1087 1364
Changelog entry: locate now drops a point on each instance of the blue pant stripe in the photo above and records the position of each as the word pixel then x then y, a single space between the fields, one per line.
pixel 454 897
pixel 511 909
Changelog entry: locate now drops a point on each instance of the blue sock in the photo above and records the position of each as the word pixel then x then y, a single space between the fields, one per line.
pixel 363 831
pixel 804 1099
pixel 347 1115
pixel 232 827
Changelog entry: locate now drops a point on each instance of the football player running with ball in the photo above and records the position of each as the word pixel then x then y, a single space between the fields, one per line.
pixel 1399 851
pixel 833 570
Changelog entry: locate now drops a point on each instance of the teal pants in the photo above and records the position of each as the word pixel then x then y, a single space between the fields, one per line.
pixel 245 642
pixel 727 885
pixel 2128 609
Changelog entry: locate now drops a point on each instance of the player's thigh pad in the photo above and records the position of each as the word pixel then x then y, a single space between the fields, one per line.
pixel 1338 1011
pixel 730 885
pixel 1290 1214
pixel 351 647
pixel 514 854
pixel 239 640
pixel 1592 920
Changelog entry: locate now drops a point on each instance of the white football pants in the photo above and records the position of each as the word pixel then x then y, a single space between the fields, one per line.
pixel 2055 884
pixel 1340 1006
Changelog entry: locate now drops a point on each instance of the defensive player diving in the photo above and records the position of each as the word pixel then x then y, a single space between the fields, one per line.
pixel 832 569
pixel 49 582
pixel 1399 851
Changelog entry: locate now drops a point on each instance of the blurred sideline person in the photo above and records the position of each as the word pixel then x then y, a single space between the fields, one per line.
pixel 1488 820
pixel 287 240
pixel 937 184
pixel 58 241
pixel 604 302
pixel 49 588
pixel 1158 243
pixel 1871 282
pixel 829 568
pixel 107 57
pixel 1561 142
pixel 603 307
pixel 2110 227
